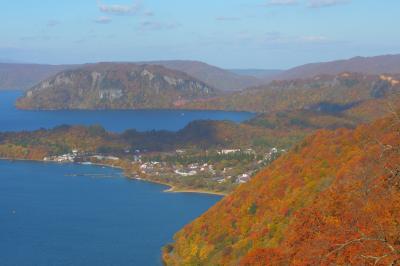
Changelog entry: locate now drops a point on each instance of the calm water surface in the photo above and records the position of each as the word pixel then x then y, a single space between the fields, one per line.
pixel 71 214
pixel 12 119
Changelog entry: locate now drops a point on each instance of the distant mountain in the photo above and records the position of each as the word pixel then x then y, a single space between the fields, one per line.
pixel 219 78
pixel 389 64
pixel 23 76
pixel 116 86
pixel 264 74
pixel 328 92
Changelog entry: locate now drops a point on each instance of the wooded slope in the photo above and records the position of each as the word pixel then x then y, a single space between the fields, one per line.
pixel 333 200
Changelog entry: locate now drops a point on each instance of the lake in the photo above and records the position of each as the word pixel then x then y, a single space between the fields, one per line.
pixel 52 214
pixel 70 214
pixel 12 119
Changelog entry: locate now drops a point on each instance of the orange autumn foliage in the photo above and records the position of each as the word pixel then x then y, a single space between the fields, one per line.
pixel 333 200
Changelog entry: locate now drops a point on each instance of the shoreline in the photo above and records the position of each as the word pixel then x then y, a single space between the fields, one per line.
pixel 254 113
pixel 172 188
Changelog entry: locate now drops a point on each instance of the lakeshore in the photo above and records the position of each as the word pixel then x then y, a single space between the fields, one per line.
pixel 172 188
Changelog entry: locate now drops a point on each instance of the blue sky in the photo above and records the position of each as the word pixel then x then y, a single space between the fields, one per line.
pixel 226 33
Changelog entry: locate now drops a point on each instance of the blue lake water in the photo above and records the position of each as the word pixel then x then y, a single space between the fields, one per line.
pixel 71 214
pixel 53 214
pixel 12 119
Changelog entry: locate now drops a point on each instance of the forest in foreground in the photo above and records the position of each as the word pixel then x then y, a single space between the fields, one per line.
pixel 332 200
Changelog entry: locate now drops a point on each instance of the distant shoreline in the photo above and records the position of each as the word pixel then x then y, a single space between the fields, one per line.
pixel 254 113
pixel 171 189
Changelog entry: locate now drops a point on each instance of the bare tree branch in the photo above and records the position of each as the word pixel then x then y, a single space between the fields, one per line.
pixel 340 247
pixel 376 259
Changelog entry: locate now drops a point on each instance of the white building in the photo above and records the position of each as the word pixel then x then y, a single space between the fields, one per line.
pixel 190 173
pixel 244 178
pixel 229 151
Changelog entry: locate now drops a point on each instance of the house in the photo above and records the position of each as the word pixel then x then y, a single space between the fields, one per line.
pixel 269 156
pixel 101 157
pixel 190 173
pixel 112 158
pixel 219 180
pixel 229 151
pixel 98 157
pixel 244 178
pixel 249 151
pixel 65 158
pixel 194 166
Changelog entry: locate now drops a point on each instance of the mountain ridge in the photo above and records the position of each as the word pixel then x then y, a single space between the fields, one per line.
pixel 220 78
pixel 115 86
pixel 23 76
pixel 12 75
pixel 336 90
pixel 382 64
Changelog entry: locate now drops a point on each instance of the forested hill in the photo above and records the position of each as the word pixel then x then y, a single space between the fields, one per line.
pixel 332 200
pixel 116 86
pixel 376 65
pixel 24 76
pixel 219 78
pixel 327 92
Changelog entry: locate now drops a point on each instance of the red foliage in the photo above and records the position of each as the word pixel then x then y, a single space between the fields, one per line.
pixel 264 257
pixel 333 200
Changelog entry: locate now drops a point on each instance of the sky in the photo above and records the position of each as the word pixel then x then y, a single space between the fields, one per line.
pixel 267 34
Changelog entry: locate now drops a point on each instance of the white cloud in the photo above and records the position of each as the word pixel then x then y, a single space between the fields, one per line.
pixel 326 3
pixel 117 9
pixel 309 3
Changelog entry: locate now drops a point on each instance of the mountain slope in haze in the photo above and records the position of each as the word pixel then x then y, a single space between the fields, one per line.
pixel 385 64
pixel 219 78
pixel 332 200
pixel 330 92
pixel 264 74
pixel 23 76
pixel 115 86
